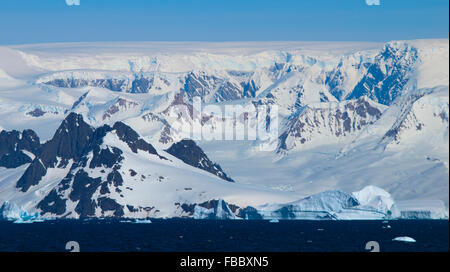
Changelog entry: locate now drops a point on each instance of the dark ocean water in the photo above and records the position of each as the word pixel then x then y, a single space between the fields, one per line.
pixel 225 236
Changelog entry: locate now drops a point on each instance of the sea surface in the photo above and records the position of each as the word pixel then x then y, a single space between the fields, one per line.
pixel 185 235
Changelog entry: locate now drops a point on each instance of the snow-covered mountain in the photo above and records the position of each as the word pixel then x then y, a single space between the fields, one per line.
pixel 111 171
pixel 102 129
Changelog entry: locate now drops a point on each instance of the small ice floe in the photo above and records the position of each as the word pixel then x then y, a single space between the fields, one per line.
pixel 386 227
pixel 405 239
pixel 29 221
pixel 142 221
pixel 274 221
pixel 320 229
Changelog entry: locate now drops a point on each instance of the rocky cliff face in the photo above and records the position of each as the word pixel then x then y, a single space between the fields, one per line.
pixel 388 75
pixel 331 123
pixel 18 148
pixel 190 153
pixel 68 144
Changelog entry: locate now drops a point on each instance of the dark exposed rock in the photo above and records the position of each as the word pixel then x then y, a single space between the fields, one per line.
pixel 250 89
pixel 190 153
pixel 14 159
pixel 337 76
pixel 104 189
pixel 213 203
pixel 105 157
pixel 387 76
pixel 219 89
pixel 187 208
pixel 132 208
pixel 115 178
pixel 228 91
pixel 11 145
pixel 120 103
pixel 83 188
pixel 36 112
pixel 108 204
pixel 32 175
pixel 53 203
pixel 393 134
pixel 86 208
pixel 354 116
pixel 133 140
pixel 69 142
pixel 80 99
pixel 199 85
pixel 141 84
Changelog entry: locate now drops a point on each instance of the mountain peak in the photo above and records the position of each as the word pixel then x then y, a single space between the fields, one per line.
pixel 190 153
pixel 68 143
pixel 134 141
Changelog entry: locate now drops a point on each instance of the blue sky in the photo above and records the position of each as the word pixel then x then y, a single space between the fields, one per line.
pixel 41 21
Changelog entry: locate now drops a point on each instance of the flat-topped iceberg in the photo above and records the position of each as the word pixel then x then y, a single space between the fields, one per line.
pixel 370 203
pixel 419 209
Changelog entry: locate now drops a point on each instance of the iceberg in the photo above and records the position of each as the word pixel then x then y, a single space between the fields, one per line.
pixel 221 211
pixel 419 209
pixel 374 197
pixel 332 204
pixel 142 221
pixel 371 203
pixel 11 212
pixel 404 239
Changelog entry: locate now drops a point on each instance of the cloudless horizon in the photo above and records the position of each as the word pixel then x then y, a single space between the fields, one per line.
pixel 26 22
